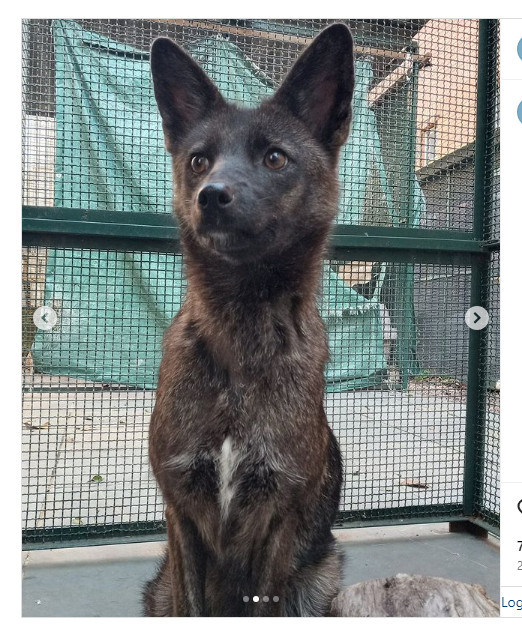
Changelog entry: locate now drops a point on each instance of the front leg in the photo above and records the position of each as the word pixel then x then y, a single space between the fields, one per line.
pixel 272 566
pixel 187 557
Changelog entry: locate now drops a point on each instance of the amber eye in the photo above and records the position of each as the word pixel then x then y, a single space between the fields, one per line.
pixel 199 163
pixel 275 159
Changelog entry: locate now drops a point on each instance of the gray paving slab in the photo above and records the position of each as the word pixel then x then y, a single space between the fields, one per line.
pixel 107 581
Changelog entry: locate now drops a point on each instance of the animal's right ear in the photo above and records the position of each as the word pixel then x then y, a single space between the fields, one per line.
pixel 184 93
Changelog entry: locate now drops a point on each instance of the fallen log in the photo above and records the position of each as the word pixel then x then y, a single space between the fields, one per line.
pixel 404 595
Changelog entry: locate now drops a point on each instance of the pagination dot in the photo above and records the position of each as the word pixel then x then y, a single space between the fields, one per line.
pixel 265 598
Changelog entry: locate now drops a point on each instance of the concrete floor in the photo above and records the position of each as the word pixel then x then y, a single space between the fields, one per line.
pixel 107 580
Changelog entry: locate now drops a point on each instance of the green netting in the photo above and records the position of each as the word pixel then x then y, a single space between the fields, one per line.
pixel 114 306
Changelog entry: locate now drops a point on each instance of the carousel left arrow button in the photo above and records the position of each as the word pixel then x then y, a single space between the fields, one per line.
pixel 45 318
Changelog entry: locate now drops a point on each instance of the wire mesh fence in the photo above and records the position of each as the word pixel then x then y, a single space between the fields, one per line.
pixel 100 249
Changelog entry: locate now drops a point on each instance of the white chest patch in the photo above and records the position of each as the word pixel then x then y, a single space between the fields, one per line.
pixel 228 461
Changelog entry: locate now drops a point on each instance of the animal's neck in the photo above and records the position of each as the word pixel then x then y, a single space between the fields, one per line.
pixel 221 288
pixel 251 313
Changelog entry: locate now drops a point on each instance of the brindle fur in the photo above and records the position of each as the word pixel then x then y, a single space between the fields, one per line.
pixel 239 442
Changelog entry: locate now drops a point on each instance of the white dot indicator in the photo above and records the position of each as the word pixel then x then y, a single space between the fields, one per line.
pixel 276 598
pixel 255 598
pixel 246 598
pixel 266 598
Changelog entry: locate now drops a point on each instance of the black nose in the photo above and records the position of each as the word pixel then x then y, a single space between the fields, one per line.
pixel 215 197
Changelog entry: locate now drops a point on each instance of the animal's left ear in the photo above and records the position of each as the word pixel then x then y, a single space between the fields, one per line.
pixel 319 87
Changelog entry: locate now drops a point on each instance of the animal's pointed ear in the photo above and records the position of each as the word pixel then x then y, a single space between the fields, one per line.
pixel 319 87
pixel 184 93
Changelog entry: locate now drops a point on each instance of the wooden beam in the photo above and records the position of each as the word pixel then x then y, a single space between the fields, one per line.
pixel 280 37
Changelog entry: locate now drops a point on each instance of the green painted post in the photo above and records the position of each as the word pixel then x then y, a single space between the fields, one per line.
pixel 476 391
pixel 406 340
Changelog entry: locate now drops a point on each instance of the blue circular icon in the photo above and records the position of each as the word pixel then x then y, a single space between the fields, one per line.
pixel 519 112
pixel 519 49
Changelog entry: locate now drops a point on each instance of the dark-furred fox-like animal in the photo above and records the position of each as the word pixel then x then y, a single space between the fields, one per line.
pixel 239 442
